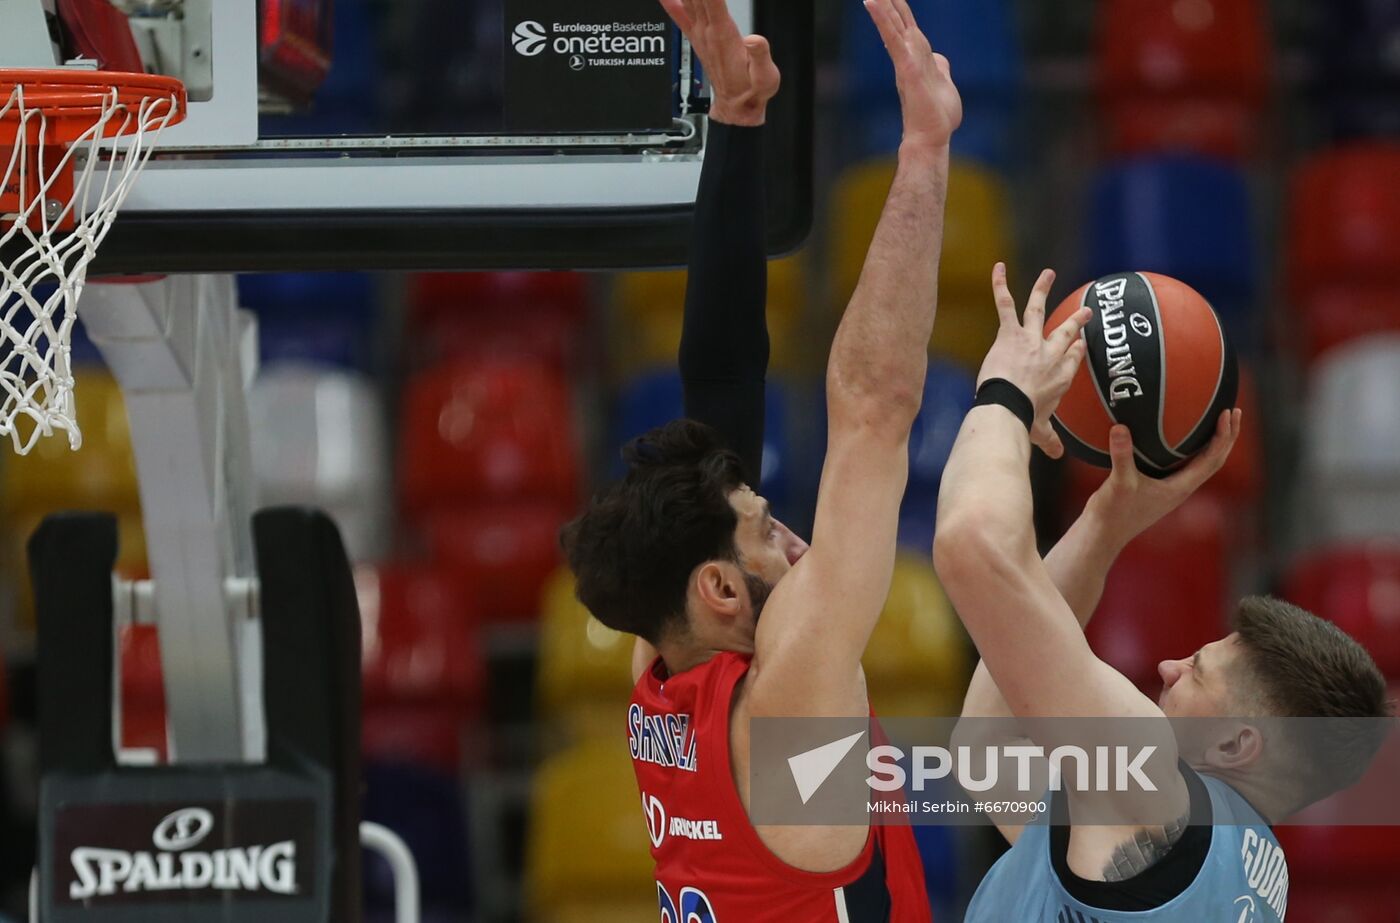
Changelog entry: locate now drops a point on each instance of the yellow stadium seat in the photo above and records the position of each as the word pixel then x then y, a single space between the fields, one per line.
pixel 918 662
pixel 977 233
pixel 99 476
pixel 587 856
pixel 585 674
pixel 650 307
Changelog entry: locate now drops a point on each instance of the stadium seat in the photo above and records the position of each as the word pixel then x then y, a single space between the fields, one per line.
pixel 918 661
pixel 436 294
pixel 650 307
pixel 425 808
pixel 505 552
pixel 487 432
pixel 587 858
pixel 1351 487
pixel 977 233
pixel 1344 225
pixel 419 638
pixel 1166 595
pixel 1185 217
pixel 102 476
pixel 318 439
pixel 143 692
pixel 656 398
pixel 424 671
pixel 1341 856
pixel 948 392
pixel 1357 586
pixel 1359 73
pixel 1336 314
pixel 585 668
pixel 1187 75
pixel 1363 903
pixel 980 39
pixel 319 318
pixel 477 316
pixel 53 478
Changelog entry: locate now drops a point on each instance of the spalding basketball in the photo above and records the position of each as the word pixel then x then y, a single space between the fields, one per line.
pixel 1157 361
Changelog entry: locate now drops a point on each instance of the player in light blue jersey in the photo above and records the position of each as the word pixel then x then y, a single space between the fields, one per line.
pixel 1201 848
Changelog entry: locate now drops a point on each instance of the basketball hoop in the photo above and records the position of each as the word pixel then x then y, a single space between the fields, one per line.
pixel 59 194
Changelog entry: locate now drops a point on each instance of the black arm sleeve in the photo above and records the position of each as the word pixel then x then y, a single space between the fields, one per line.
pixel 724 343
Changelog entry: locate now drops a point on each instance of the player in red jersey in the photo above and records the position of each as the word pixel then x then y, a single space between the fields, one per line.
pixel 684 554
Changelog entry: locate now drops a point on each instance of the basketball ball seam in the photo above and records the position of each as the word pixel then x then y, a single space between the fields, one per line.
pixel 1162 373
pixel 1219 377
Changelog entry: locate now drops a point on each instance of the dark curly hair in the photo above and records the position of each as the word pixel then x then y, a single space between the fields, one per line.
pixel 635 546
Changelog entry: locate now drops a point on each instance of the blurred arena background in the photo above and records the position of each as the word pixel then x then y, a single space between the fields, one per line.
pixel 452 422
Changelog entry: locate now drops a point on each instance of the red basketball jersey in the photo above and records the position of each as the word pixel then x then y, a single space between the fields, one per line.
pixel 710 864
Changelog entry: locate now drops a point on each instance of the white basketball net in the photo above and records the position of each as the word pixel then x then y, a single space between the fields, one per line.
pixel 43 264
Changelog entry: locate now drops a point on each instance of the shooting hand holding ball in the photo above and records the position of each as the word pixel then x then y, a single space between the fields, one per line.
pixel 1040 367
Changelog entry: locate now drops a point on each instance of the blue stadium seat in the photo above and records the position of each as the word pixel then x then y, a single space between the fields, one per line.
pixel 655 398
pixel 948 393
pixel 979 37
pixel 425 809
pixel 1358 67
pixel 324 318
pixel 1185 217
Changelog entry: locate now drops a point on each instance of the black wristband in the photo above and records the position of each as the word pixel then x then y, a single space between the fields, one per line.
pixel 1003 393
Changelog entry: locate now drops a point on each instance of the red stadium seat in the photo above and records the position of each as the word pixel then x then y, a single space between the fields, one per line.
pixel 142 691
pixel 478 315
pixel 507 552
pixel 1238 483
pixel 486 432
pixel 419 638
pixel 1341 856
pixel 424 671
pixel 1357 587
pixel 1333 314
pixel 1345 221
pixel 542 335
pixel 412 734
pixel 435 294
pixel 1183 74
pixel 1165 596
pixel 1321 903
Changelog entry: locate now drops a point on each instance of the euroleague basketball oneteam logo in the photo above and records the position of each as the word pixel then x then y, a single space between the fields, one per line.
pixel 530 38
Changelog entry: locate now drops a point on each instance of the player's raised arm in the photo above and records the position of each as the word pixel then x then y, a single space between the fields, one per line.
pixel 1126 505
pixel 1030 640
pixel 724 342
pixel 815 628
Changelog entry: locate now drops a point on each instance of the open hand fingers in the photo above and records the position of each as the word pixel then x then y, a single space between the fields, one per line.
pixel 700 11
pixel 888 25
pixel 760 51
pixel 679 11
pixel 1067 334
pixel 1120 451
pixel 1035 305
pixel 1045 437
pixel 906 15
pixel 1006 304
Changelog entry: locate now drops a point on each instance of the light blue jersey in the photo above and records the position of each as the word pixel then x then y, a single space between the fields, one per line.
pixel 1244 878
